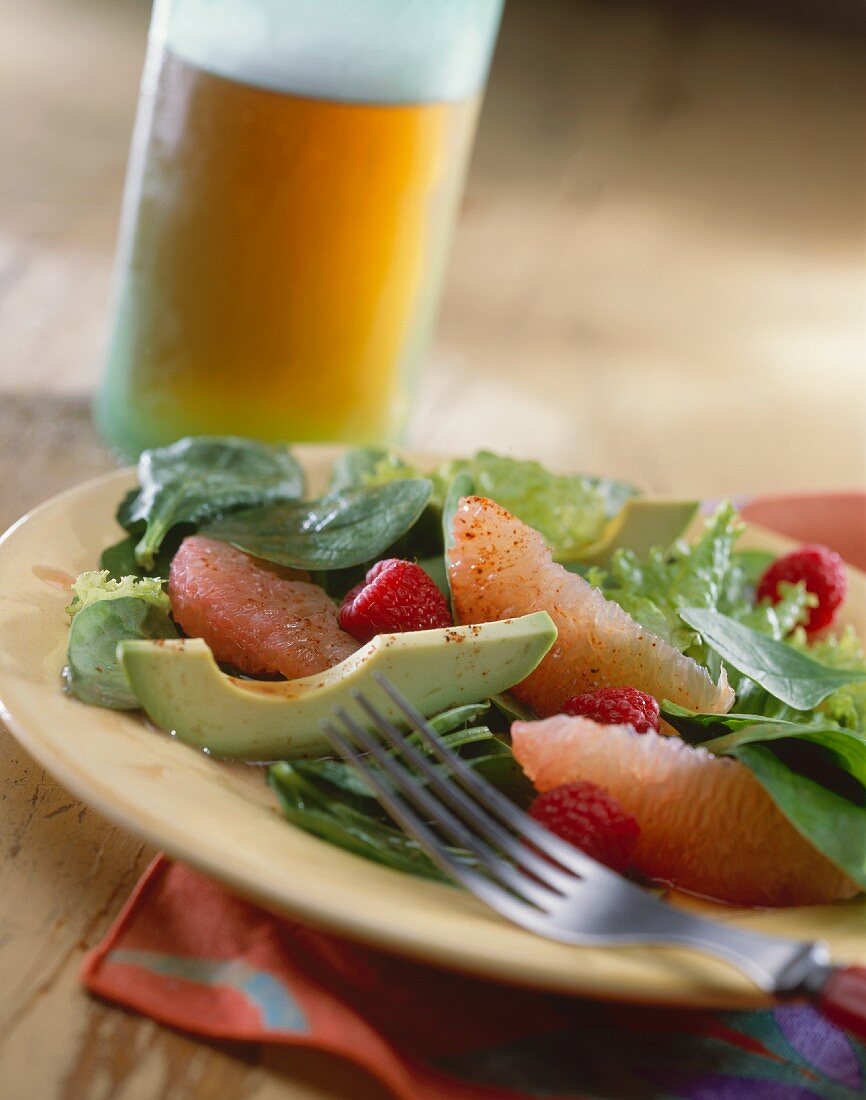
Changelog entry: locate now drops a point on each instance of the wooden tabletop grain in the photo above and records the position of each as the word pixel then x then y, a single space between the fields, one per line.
pixel 660 272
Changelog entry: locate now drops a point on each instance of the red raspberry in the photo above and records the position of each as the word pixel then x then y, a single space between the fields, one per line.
pixel 396 596
pixel 617 707
pixel 591 819
pixel 823 573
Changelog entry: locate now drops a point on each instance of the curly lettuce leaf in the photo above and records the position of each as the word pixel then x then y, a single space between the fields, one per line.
pixel 847 706
pixel 95 585
pixel 686 574
pixel 710 574
pixel 570 512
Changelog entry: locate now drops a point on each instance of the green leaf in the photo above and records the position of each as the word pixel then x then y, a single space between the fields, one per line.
pixel 200 478
pixel 652 589
pixel 786 673
pixel 93 672
pixel 832 823
pixel 847 706
pixel 343 529
pixel 95 585
pixel 569 511
pixel 722 734
pixel 329 799
pixel 753 564
pixel 312 807
pixel 358 467
pixel 450 720
pixel 698 728
pixel 639 526
pixel 120 561
pixel 326 798
pixel 511 710
pixel 813 770
pixel 461 485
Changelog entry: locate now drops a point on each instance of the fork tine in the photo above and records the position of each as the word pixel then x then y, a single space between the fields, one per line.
pixel 402 813
pixel 496 803
pixel 463 804
pixel 423 799
pixel 405 816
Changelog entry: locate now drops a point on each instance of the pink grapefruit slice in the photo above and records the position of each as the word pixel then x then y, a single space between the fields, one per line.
pixel 707 825
pixel 261 618
pixel 499 568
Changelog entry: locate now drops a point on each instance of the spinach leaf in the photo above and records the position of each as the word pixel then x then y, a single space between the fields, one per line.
pixel 814 771
pixel 786 673
pixel 318 809
pixel 330 800
pixel 200 478
pixel 698 728
pixel 832 823
pixel 120 560
pixel 723 734
pixel 357 467
pixel 449 720
pixel 343 529
pixel 511 710
pixel 93 672
pixel 461 485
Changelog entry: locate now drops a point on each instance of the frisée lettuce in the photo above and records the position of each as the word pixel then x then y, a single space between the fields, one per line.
pixel 569 511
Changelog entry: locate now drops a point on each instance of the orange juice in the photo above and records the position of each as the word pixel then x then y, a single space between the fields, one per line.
pixel 280 259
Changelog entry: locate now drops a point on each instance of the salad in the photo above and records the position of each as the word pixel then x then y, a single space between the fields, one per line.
pixel 683 710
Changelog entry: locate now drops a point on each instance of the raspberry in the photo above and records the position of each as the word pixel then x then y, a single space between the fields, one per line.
pixel 591 819
pixel 396 596
pixel 823 573
pixel 617 707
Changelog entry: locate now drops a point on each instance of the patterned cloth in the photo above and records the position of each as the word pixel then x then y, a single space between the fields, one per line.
pixel 187 953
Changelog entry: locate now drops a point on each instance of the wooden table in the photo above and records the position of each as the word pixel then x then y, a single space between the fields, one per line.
pixel 660 272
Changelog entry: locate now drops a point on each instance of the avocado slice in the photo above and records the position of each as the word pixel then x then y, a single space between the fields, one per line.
pixel 182 689
pixel 640 525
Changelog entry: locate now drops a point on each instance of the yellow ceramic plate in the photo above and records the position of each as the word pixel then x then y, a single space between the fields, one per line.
pixel 223 820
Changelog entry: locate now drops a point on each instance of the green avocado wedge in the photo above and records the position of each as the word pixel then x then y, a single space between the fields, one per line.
pixel 639 525
pixel 182 689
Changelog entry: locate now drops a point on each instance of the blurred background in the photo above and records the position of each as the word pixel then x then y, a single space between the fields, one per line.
pixel 659 273
pixel 659 270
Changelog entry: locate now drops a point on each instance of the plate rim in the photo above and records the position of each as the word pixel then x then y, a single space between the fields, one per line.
pixel 343 922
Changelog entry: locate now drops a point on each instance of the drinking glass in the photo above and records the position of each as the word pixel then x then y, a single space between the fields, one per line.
pixel 295 171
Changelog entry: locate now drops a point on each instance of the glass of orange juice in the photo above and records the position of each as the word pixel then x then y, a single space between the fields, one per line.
pixel 295 171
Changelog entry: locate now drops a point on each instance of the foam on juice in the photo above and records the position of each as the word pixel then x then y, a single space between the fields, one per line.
pixel 361 51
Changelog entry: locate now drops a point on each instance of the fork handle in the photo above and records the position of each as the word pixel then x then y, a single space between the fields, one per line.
pixel 842 999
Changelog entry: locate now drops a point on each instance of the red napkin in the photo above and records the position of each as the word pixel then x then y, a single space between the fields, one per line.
pixel 191 955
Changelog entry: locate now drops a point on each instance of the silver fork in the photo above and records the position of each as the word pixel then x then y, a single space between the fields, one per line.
pixel 538 881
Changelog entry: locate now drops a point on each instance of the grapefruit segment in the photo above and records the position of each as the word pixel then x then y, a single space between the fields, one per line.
pixel 261 618
pixel 500 568
pixel 706 824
